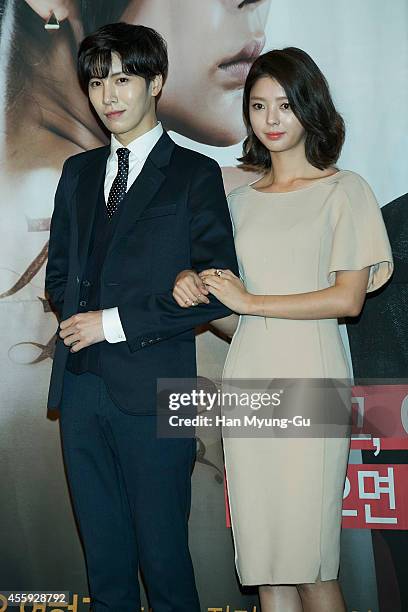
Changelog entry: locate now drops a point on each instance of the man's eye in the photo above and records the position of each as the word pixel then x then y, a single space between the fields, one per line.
pixel 93 83
pixel 123 79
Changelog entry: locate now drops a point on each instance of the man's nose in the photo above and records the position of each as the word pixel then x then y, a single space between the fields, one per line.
pixel 109 94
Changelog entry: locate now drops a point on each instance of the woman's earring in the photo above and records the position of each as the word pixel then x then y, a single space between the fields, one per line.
pixel 52 22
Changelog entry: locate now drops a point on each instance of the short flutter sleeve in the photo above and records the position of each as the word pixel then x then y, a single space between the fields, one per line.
pixel 359 236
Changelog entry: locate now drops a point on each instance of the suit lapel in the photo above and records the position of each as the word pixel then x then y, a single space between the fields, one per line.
pixel 144 188
pixel 90 182
pixel 138 197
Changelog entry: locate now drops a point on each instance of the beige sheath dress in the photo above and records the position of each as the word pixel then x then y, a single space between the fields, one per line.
pixel 286 494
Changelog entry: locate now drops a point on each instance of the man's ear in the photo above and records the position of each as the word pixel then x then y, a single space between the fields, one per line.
pixel 63 9
pixel 157 84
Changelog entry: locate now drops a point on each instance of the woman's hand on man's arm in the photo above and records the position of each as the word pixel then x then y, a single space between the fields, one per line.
pixel 189 288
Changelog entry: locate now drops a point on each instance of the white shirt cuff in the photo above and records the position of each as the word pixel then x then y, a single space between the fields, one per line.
pixel 112 325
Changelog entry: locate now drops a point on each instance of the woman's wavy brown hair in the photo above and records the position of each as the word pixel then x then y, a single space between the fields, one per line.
pixel 309 96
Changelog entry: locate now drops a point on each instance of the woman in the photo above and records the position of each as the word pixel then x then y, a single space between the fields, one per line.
pixel 310 242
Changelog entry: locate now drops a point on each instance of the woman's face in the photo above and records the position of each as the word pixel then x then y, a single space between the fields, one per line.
pixel 211 46
pixel 272 119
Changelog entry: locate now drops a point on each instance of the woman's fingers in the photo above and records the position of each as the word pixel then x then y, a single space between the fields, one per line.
pixel 199 290
pixel 228 274
pixel 213 282
pixel 216 272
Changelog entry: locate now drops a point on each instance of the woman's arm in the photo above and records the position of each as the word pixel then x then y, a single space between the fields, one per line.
pixel 227 325
pixel 344 299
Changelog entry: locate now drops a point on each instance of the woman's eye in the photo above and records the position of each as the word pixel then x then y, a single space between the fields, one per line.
pixel 257 106
pixel 93 83
pixel 286 106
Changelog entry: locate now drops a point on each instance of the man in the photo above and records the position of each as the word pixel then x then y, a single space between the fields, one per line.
pixel 127 219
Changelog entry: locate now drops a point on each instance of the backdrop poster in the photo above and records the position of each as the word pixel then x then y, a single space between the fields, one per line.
pixel 362 47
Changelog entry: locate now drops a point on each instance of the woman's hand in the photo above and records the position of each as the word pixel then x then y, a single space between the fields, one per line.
pixel 189 289
pixel 227 288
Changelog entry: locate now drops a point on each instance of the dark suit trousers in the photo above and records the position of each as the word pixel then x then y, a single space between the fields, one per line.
pixel 131 494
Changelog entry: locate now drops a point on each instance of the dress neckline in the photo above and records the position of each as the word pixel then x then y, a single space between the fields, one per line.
pixel 280 193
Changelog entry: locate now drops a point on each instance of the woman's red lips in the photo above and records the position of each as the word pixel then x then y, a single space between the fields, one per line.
pixel 274 135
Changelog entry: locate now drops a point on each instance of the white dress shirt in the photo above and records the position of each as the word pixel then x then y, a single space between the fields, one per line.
pixel 139 151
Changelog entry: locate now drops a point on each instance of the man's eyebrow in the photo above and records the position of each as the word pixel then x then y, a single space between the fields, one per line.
pixel 113 74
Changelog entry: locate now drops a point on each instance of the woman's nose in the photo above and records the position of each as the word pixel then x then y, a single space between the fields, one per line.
pixel 272 118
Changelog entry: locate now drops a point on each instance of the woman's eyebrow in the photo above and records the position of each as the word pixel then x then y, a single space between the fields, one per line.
pixel 265 100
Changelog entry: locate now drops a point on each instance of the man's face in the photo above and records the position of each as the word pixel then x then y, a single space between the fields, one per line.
pixel 123 102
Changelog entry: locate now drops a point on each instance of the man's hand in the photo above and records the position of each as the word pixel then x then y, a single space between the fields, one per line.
pixel 189 289
pixel 82 330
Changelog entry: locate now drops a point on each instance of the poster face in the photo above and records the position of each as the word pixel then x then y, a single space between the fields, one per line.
pixel 45 118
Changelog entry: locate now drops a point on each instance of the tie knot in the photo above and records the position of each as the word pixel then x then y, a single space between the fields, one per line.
pixel 123 154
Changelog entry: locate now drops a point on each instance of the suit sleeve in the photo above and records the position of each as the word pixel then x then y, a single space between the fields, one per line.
pixel 58 246
pixel 152 318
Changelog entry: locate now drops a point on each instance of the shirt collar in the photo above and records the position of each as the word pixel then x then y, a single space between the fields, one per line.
pixel 141 146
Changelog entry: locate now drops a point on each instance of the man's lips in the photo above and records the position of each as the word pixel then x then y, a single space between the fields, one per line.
pixel 274 135
pixel 238 65
pixel 114 114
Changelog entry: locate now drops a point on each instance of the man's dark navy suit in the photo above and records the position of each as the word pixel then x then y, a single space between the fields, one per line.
pixel 174 217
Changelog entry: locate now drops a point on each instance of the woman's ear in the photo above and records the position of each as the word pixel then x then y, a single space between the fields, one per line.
pixel 62 9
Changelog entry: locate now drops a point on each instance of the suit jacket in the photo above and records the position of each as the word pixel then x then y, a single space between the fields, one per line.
pixel 175 217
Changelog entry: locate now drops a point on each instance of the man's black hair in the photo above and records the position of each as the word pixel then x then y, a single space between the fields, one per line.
pixel 142 50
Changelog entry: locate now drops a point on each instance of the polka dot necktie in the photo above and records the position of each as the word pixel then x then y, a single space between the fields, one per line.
pixel 119 185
